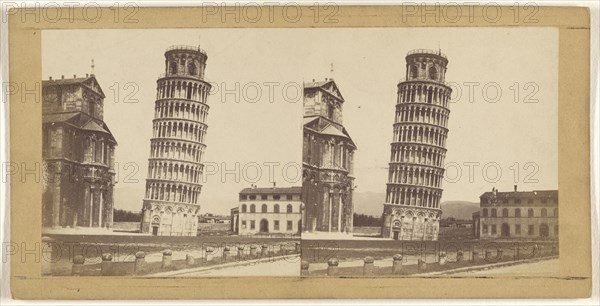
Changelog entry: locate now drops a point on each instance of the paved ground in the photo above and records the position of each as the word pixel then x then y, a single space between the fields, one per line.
pixel 540 267
pixel 290 266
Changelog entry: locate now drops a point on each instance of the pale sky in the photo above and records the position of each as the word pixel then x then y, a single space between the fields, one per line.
pixel 368 64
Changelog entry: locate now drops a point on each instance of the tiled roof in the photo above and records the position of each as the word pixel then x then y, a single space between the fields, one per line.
pixel 48 118
pixel 272 190
pixel 93 126
pixel 522 194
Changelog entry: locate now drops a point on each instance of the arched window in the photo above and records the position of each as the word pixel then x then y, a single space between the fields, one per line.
pixel 289 208
pixel 485 212
pixel 243 208
pixel 530 213
pixel 544 212
pixel 518 212
pixel 263 208
pixel 433 74
pixel 494 213
pixel 192 69
pixel 252 208
pixel 414 71
pixel 505 212
pixel 173 67
pixel 276 208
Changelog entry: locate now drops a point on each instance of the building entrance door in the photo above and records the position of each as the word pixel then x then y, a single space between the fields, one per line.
pixel 396 235
pixel 155 230
pixel 264 226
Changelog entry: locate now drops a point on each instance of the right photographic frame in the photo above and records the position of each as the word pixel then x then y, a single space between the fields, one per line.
pixel 432 152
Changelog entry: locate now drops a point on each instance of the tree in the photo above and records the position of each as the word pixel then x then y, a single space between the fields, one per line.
pixel 121 215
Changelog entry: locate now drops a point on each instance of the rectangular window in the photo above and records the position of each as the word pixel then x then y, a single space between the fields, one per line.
pixel 493 229
pixel 252 225
pixel 263 197
pixel 530 230
pixel 243 197
pixel 530 201
pixel 276 225
pixel 289 197
pixel 244 224
pixel 276 197
pixel 289 225
pixel 518 229
pixel 517 201
pixel 252 197
pixel 484 229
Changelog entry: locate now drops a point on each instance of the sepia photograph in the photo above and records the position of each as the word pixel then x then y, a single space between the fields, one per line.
pixel 433 151
pixel 324 151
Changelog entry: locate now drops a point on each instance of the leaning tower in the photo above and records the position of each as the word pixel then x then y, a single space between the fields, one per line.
pixel 412 204
pixel 177 146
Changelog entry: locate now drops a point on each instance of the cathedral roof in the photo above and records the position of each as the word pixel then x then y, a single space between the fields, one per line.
pixel 327 86
pixel 324 126
pixel 79 120
pixel 88 81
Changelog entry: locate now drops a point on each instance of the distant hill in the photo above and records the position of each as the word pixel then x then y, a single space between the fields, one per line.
pixel 459 209
pixel 371 203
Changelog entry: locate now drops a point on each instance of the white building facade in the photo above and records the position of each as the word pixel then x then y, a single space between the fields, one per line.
pixel 270 211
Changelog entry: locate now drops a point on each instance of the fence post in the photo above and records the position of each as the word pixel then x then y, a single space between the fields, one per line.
pixel 106 263
pixel 78 261
pixel 47 242
pixel 443 259
pixel 304 268
pixel 421 264
pixel 189 260
pixel 499 254
pixel 263 250
pixel 240 252
pixel 209 254
pixel 166 259
pixel 253 251
pixel 369 267
pixel 225 253
pixel 475 256
pixel 332 267
pixel 140 261
pixel 397 264
pixel 459 256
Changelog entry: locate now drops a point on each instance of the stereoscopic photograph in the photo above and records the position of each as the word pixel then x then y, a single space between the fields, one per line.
pixel 179 152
